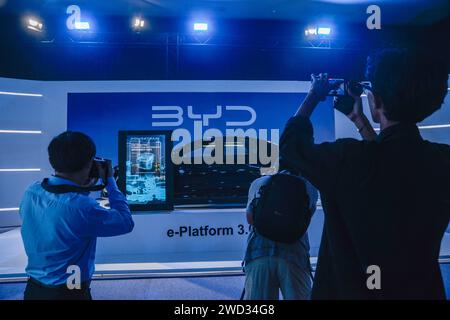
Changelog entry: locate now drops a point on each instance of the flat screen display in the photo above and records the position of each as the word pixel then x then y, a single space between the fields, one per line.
pixel 145 170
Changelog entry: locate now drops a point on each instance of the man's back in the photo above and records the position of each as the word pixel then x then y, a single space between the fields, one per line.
pixel 386 203
pixel 54 221
pixel 389 207
pixel 59 230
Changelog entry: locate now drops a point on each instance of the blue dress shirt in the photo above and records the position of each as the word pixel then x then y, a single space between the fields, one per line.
pixel 59 230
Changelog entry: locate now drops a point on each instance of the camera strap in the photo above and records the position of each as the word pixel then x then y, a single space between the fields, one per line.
pixel 66 188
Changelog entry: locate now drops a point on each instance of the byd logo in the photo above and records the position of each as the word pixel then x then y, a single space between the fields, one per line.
pixel 211 142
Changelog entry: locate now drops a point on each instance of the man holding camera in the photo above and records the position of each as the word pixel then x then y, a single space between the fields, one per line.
pixel 386 199
pixel 61 223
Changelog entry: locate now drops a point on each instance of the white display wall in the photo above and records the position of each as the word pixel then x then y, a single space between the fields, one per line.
pixel 148 247
pixel 32 112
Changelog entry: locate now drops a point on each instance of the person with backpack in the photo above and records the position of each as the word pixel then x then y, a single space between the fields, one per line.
pixel 271 266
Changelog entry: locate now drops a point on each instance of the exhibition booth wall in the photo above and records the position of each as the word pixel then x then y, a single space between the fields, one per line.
pixel 199 236
pixel 33 112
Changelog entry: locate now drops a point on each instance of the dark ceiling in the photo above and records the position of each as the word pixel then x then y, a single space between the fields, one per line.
pixel 394 12
pixel 251 39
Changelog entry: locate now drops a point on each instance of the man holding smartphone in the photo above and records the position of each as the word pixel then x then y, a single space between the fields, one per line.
pixel 386 200
pixel 61 223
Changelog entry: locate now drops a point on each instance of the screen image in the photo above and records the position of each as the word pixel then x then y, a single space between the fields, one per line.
pixel 144 169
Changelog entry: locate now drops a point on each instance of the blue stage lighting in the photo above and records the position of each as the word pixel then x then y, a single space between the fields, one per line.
pixel 138 23
pixel 323 31
pixel 310 31
pixel 200 26
pixel 82 25
pixel 34 24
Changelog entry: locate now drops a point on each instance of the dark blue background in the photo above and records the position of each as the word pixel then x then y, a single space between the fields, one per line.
pixel 103 115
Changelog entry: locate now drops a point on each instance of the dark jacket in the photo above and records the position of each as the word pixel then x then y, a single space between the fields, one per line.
pixel 386 203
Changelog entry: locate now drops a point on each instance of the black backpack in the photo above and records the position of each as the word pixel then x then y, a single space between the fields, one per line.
pixel 282 211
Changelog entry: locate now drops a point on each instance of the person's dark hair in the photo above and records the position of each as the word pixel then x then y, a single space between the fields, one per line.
pixel 412 85
pixel 70 151
pixel 284 166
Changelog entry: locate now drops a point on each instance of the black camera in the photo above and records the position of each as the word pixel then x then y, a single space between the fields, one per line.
pixel 343 101
pixel 104 164
pixel 340 87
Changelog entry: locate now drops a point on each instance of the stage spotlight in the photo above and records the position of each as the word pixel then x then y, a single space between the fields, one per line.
pixel 82 25
pixel 310 31
pixel 138 23
pixel 323 31
pixel 34 24
pixel 318 32
pixel 200 26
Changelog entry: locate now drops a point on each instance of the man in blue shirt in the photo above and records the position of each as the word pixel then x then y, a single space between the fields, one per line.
pixel 61 223
pixel 273 266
